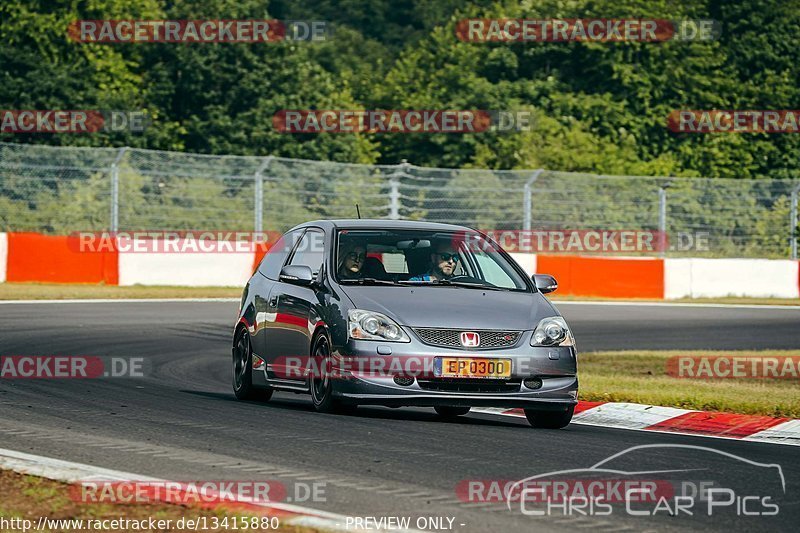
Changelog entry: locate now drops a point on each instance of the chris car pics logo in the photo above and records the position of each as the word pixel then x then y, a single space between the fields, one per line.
pixel 701 481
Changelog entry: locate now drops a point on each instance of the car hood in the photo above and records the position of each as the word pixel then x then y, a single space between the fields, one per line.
pixel 454 307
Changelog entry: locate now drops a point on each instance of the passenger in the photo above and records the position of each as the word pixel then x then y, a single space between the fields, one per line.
pixel 351 260
pixel 443 264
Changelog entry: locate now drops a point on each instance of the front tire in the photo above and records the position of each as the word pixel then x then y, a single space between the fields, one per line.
pixel 451 412
pixel 321 383
pixel 549 419
pixel 243 370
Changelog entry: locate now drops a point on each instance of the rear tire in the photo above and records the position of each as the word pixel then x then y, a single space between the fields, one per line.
pixel 243 370
pixel 446 411
pixel 549 419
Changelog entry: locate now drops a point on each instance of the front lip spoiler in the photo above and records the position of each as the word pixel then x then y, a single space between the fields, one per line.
pixel 483 400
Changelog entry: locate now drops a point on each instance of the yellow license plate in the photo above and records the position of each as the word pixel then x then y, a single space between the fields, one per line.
pixel 468 367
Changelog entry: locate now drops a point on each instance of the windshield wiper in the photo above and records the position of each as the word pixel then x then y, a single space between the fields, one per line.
pixel 467 284
pixel 471 285
pixel 367 281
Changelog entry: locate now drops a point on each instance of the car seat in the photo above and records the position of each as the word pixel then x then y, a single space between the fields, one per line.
pixel 373 268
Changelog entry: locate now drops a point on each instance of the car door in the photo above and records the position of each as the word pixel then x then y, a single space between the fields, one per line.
pixel 263 285
pixel 289 337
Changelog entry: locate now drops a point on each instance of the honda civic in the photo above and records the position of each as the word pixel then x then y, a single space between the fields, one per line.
pixel 403 313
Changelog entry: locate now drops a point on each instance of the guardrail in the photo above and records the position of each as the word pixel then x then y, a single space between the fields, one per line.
pixel 58 190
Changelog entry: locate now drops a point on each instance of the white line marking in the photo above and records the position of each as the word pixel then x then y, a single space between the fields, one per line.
pixel 785 433
pixel 119 300
pixel 69 472
pixel 766 438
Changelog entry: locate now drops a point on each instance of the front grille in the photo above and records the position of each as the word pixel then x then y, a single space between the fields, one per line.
pixel 469 385
pixel 451 338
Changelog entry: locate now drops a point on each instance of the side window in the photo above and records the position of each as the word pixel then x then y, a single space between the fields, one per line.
pixel 311 250
pixel 276 256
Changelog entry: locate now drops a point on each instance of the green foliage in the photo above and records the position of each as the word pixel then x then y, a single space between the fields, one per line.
pixel 601 107
pixel 596 107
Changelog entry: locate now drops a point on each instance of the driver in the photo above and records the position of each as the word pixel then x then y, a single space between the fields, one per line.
pixel 443 264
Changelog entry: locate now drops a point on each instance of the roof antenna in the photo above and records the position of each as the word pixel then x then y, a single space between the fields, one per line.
pixel 358 211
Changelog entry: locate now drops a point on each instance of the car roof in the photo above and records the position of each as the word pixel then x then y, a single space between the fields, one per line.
pixel 380 223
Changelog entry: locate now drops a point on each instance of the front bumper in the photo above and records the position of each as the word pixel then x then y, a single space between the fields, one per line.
pixel 370 374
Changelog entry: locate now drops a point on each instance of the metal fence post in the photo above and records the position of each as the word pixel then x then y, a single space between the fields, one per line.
pixel 259 194
pixel 394 191
pixel 115 190
pixel 793 221
pixel 527 217
pixel 662 219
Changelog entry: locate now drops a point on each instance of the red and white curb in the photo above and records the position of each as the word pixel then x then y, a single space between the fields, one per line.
pixel 68 472
pixel 683 421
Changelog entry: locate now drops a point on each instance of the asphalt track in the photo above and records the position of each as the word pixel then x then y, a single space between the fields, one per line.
pixel 181 421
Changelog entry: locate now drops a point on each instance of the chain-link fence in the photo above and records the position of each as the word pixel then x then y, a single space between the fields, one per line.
pixel 65 189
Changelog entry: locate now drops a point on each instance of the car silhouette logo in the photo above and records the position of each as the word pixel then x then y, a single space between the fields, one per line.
pixel 470 339
pixel 607 466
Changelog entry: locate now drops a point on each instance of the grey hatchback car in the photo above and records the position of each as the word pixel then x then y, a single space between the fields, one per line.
pixel 401 313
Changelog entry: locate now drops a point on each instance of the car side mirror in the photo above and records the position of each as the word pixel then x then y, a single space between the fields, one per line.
pixel 297 275
pixel 545 283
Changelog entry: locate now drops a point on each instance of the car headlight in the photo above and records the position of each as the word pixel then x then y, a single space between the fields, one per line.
pixel 552 331
pixel 369 325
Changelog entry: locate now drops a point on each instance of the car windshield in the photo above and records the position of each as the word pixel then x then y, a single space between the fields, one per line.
pixel 419 257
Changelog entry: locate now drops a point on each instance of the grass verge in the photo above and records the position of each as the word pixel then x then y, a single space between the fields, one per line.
pixel 62 291
pixel 24 497
pixel 641 377
pixel 65 291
